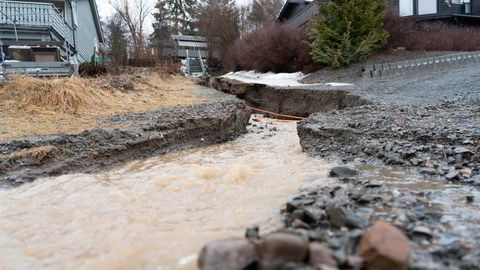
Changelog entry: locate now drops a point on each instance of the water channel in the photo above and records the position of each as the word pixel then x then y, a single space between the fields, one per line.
pixel 156 213
pixel 159 212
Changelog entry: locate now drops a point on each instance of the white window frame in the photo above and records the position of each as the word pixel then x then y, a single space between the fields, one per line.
pixel 405 8
pixel 427 7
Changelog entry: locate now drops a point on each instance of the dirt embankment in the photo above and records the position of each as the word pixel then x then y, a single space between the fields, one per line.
pixel 32 106
pixel 290 101
pixel 143 135
pixel 55 126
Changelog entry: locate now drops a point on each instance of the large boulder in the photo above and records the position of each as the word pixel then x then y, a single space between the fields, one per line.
pixel 344 217
pixel 275 250
pixel 231 254
pixel 384 247
pixel 342 171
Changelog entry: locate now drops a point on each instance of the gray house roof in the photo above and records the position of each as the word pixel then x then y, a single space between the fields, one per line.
pixel 298 13
pixel 292 7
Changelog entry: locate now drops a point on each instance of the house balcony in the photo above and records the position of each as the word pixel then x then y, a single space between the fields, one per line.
pixel 19 21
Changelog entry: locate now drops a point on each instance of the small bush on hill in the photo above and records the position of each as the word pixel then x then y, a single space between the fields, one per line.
pixel 430 36
pixel 347 31
pixel 275 48
pixel 92 69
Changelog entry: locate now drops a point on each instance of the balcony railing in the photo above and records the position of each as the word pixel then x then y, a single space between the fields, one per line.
pixel 21 14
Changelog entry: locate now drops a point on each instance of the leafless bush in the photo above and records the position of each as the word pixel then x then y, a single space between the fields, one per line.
pixel 276 48
pixel 430 36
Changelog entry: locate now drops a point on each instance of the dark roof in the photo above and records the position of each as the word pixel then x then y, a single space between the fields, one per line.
pixel 289 6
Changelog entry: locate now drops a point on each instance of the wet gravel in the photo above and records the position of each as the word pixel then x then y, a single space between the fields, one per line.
pixel 412 160
pixel 459 85
pixel 427 128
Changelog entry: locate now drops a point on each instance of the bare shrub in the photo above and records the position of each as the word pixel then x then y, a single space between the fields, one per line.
pixel 92 69
pixel 430 36
pixel 276 48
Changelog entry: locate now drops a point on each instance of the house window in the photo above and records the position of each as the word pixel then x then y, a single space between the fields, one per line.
pixel 406 7
pixel 426 7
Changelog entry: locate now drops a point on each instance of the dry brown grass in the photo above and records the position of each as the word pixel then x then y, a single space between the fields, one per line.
pixel 37 153
pixel 31 106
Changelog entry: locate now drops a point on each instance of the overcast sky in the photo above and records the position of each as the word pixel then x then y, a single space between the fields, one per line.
pixel 105 10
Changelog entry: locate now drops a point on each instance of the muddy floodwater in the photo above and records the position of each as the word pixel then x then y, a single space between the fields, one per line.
pixel 156 213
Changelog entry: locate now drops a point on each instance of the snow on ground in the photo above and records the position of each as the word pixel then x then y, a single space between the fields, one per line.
pixel 338 84
pixel 273 79
pixel 270 78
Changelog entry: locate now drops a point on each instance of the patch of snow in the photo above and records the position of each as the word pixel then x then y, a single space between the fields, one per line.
pixel 339 84
pixel 19 47
pixel 270 78
pixel 275 79
pixel 11 61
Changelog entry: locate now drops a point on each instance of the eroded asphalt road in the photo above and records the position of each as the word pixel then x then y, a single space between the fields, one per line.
pixel 416 159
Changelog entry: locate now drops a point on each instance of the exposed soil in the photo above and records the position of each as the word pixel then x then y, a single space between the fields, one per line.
pixel 141 135
pixel 289 101
pixel 71 105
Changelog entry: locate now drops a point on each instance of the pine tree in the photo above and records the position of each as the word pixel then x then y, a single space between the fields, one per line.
pixel 177 14
pixel 160 38
pixel 346 31
pixel 116 40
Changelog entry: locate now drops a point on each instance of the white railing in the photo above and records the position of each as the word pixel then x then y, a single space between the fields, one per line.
pixel 20 14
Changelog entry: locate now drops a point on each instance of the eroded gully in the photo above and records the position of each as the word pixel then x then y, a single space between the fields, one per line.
pixel 156 213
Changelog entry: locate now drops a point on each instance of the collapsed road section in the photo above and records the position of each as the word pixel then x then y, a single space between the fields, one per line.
pixel 289 101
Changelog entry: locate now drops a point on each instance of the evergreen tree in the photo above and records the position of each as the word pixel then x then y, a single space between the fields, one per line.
pixel 116 40
pixel 161 30
pixel 347 31
pixel 177 14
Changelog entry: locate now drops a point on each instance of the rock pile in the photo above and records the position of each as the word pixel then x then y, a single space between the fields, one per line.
pixel 357 224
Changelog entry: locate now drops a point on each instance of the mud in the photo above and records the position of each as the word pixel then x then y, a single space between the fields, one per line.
pixel 142 135
pixel 290 101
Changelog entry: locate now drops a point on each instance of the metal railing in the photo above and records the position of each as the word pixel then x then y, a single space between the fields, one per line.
pixel 20 14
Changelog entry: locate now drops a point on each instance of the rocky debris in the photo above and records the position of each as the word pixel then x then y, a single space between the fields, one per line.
pixel 409 212
pixel 401 228
pixel 440 141
pixel 234 254
pixel 253 232
pixel 344 217
pixel 384 247
pixel 470 199
pixel 142 135
pixel 342 172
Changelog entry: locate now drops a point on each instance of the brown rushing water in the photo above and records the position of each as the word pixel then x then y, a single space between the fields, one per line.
pixel 155 213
